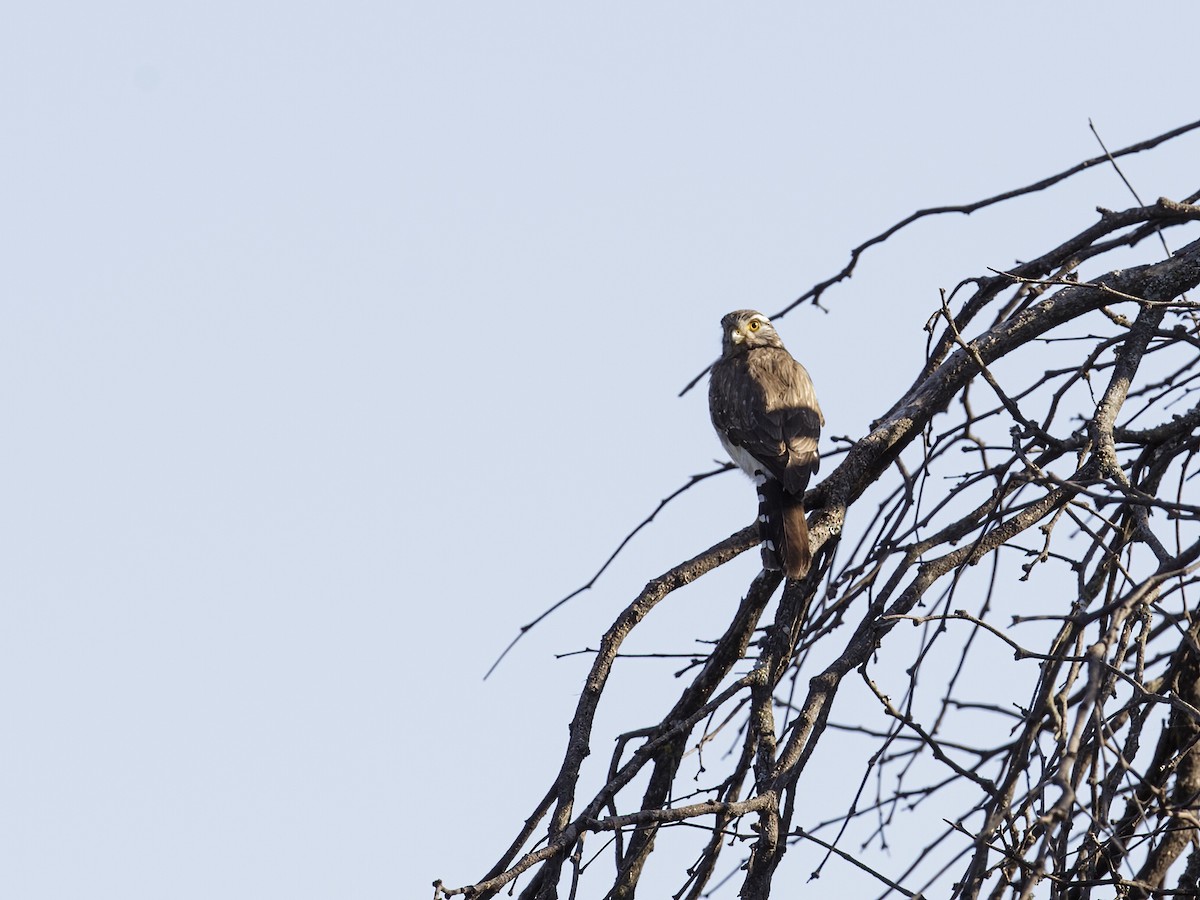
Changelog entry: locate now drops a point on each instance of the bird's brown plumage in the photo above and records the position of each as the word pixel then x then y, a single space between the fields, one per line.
pixel 764 408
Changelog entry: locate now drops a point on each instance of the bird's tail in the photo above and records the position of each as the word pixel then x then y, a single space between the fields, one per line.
pixel 783 528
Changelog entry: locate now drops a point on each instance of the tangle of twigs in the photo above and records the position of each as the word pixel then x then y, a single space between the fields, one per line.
pixel 1016 609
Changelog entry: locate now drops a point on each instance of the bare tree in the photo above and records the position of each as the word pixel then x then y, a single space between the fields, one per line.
pixel 1033 492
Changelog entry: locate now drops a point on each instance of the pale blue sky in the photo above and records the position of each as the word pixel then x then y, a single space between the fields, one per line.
pixel 340 339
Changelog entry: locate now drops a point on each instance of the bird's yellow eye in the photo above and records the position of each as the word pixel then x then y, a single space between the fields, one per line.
pixel 753 325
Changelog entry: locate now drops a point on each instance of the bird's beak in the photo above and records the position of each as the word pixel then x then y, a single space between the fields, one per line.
pixel 736 336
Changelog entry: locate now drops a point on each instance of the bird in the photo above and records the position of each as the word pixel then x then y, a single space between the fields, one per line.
pixel 764 409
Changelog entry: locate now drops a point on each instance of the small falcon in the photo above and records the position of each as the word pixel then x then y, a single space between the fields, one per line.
pixel 765 411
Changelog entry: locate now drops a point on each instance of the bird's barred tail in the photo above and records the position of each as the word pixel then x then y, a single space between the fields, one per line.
pixel 783 528
pixel 797 555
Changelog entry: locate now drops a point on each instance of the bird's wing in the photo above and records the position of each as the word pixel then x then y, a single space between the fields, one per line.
pixel 764 403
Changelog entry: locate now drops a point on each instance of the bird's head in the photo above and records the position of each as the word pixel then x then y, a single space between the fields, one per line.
pixel 745 329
